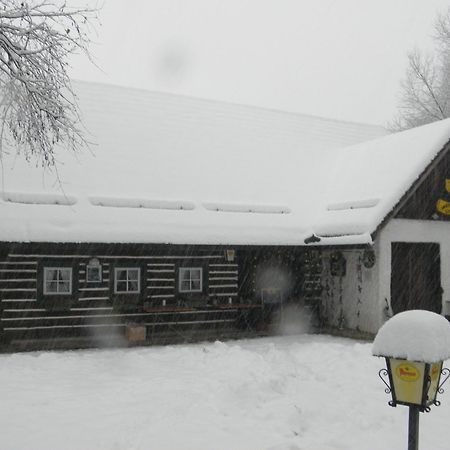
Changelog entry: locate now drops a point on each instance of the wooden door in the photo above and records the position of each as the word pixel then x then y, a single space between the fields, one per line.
pixel 415 277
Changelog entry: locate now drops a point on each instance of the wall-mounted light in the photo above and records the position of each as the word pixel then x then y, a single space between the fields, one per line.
pixel 230 254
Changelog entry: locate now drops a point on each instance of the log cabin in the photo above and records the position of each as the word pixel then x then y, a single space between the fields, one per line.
pixel 190 219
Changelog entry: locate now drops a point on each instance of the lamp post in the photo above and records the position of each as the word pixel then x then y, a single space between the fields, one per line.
pixel 414 344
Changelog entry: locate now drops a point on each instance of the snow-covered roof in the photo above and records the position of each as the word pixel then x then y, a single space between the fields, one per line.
pixel 172 169
pixel 368 179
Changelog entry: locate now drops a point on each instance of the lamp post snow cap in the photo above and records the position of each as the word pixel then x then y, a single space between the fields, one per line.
pixel 415 335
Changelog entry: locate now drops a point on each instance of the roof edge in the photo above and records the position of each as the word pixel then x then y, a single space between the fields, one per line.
pixel 410 192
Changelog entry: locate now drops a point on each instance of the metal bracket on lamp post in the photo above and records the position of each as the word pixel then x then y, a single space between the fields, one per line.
pixel 445 371
pixel 384 374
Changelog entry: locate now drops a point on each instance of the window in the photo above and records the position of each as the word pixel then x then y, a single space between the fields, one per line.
pixel 127 280
pixel 94 273
pixel 57 280
pixel 191 279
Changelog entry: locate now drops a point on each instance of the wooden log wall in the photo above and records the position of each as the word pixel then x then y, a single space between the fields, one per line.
pixel 161 289
pixel 94 308
pixel 223 282
pixel 219 277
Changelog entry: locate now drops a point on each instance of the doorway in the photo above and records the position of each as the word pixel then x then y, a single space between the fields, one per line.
pixel 415 277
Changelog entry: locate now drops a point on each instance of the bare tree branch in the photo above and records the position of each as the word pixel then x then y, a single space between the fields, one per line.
pixel 37 104
pixel 425 91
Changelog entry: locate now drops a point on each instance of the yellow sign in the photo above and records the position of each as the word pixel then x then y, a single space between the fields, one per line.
pixel 443 207
pixel 407 377
pixel 407 372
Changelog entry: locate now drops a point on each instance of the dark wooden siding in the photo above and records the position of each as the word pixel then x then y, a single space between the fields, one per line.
pixel 422 202
pixel 94 307
pixel 223 281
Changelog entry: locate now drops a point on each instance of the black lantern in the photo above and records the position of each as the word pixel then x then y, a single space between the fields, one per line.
pixel 414 345
pixel 413 383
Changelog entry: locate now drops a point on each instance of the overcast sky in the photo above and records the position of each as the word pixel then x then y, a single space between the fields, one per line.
pixel 342 59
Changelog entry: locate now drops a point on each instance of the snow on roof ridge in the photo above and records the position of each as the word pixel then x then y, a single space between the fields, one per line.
pixel 246 208
pixel 353 204
pixel 36 198
pixel 231 103
pixel 130 202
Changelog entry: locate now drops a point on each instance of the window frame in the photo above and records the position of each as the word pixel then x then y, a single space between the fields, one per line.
pixel 138 291
pixel 57 292
pixel 180 280
pixel 94 266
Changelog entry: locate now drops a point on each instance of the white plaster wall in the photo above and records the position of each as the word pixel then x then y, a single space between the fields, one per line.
pixel 351 301
pixel 406 230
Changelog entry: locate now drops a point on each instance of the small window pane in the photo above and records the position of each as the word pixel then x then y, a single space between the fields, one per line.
pixel 50 286
pixel 64 275
pixel 57 280
pixel 133 274
pixel 121 286
pixel 127 280
pixel 184 275
pixel 133 286
pixel 121 274
pixel 190 279
pixel 52 274
pixel 64 288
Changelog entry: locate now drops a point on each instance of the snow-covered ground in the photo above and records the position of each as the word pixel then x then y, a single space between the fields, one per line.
pixel 297 392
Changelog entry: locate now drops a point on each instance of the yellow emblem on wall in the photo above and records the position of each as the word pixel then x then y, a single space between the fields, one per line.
pixel 443 206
